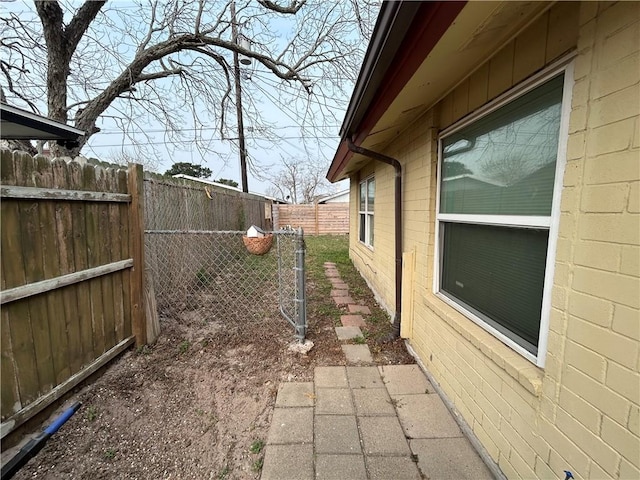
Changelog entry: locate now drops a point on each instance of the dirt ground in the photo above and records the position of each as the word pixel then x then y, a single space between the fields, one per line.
pixel 198 403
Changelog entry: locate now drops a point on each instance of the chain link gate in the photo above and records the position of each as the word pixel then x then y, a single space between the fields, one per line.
pixel 210 275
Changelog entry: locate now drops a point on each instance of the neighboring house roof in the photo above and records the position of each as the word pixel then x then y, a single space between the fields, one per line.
pixel 18 124
pixel 419 51
pixel 341 196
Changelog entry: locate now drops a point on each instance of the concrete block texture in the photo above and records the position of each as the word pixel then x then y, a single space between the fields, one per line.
pixel 364 377
pixel 373 402
pixel 295 394
pixel 405 379
pixel 330 377
pixel 336 434
pixel 348 333
pixel 291 425
pixel 449 458
pixel 383 436
pixel 398 468
pixel 288 462
pixel 425 416
pixel 357 354
pixel 334 401
pixel 352 321
pixel 340 467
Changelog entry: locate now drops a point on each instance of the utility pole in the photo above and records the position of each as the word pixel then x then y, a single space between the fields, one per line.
pixel 236 74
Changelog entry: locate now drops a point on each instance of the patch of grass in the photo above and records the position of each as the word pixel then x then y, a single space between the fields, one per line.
pixel 143 350
pixel 92 413
pixel 360 340
pixel 257 465
pixel 224 473
pixel 110 453
pixel 257 446
pixel 184 346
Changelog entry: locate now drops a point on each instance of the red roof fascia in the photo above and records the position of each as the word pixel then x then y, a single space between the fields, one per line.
pixel 429 25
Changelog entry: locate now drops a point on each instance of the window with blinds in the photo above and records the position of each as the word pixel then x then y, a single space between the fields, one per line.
pixel 496 206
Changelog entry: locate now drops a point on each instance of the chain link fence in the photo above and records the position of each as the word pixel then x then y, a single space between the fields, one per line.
pixel 211 276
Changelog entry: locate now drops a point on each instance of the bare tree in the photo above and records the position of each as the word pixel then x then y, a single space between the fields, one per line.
pixel 300 181
pixel 99 61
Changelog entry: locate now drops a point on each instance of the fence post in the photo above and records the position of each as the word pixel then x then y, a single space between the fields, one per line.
pixel 301 297
pixel 136 232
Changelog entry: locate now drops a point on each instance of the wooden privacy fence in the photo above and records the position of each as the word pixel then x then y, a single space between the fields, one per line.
pixel 318 219
pixel 72 276
pixel 182 204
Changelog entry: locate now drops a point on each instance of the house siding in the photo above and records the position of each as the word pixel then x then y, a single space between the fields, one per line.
pixel 581 412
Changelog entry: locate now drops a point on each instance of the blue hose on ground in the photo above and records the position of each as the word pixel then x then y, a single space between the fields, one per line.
pixel 34 445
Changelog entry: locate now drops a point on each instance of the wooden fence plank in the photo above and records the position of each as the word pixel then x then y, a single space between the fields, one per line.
pixel 104 183
pixel 136 232
pixel 116 280
pixel 19 330
pixel 32 247
pixel 93 243
pixel 51 268
pixel 39 193
pixel 43 286
pixel 64 239
pixel 83 291
pixel 9 396
pixel 123 185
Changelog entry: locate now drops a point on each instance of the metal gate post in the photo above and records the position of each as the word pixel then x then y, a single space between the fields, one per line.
pixel 301 298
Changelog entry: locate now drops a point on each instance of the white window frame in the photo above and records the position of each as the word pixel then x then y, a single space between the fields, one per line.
pixel 368 214
pixel 551 223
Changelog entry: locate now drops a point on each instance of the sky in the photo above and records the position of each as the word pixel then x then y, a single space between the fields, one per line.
pixel 295 137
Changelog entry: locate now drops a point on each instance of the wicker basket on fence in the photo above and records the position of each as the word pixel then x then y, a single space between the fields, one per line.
pixel 258 245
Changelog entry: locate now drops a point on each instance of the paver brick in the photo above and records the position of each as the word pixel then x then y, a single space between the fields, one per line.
pixel 364 377
pixel 383 436
pixel 384 468
pixel 449 458
pixel 348 333
pixel 288 462
pixel 332 273
pixel 352 321
pixel 340 467
pixel 373 402
pixel 404 379
pixel 336 434
pixel 339 293
pixel 295 394
pixel 330 377
pixel 359 309
pixel 291 425
pixel 343 300
pixel 334 401
pixel 425 416
pixel 357 354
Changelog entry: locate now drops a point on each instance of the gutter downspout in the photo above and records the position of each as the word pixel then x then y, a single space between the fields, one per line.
pixel 398 223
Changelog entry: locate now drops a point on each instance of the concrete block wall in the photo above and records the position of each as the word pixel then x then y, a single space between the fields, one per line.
pixel 581 412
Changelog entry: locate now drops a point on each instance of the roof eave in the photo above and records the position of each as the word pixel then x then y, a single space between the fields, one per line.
pixel 393 56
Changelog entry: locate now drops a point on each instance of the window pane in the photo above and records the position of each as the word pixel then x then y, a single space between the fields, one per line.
pixel 371 192
pixel 504 164
pixel 371 230
pixel 499 273
pixel 362 227
pixel 363 196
